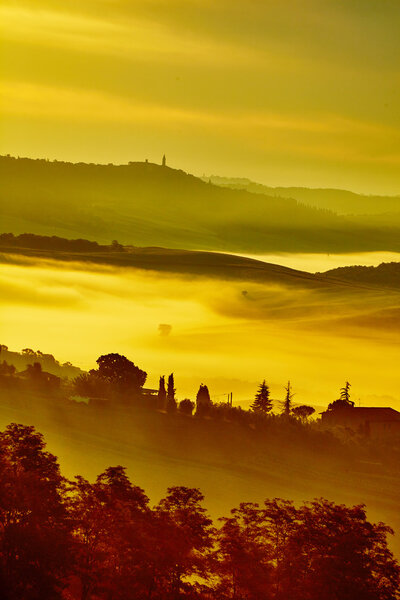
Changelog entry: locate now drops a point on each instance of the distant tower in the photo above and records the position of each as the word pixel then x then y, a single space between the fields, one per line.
pixel 164 161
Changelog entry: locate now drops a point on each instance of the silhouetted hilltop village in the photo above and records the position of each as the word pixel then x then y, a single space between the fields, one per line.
pixel 146 204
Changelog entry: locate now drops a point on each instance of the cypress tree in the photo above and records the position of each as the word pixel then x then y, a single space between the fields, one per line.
pixel 171 401
pixel 162 393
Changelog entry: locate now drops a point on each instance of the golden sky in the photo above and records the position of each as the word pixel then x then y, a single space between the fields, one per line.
pixel 286 92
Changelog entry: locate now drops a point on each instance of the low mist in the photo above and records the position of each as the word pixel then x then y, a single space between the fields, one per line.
pixel 228 334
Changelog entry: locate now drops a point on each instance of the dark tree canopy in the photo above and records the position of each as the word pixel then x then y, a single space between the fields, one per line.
pixel 35 540
pixel 203 396
pixel 120 371
pixel 79 540
pixel 203 401
pixel 303 412
pixel 186 406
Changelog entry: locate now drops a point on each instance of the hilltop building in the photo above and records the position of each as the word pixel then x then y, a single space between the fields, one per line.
pixel 370 421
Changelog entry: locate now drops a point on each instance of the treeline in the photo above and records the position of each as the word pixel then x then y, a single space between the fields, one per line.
pixel 385 274
pixel 44 242
pixel 118 381
pixel 12 362
pixel 78 540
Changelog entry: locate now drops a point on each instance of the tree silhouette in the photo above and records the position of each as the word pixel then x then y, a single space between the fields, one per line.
pixel 320 550
pixel 101 540
pixel 287 403
pixel 262 402
pixel 303 412
pixel 186 406
pixel 6 369
pixel 189 538
pixel 120 372
pixel 345 392
pixel 344 400
pixel 162 393
pixel 35 540
pixel 203 401
pixel 171 401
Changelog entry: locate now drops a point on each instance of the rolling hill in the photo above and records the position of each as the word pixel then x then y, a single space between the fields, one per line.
pixel 150 205
pixel 342 202
pixel 185 262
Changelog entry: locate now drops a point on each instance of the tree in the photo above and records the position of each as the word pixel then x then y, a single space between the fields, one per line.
pixel 345 393
pixel 319 550
pixel 6 369
pixel 337 553
pixel 303 412
pixel 186 407
pixel 287 403
pixel 110 523
pixel 171 401
pixel 120 372
pixel 162 394
pixel 35 539
pixel 203 401
pixel 35 371
pixel 262 402
pixel 186 533
pixel 344 400
pixel 28 352
pixel 116 246
pixel 243 560
pixel 91 385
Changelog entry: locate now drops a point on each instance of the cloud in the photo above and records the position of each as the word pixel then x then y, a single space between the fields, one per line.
pixel 309 89
pixel 137 38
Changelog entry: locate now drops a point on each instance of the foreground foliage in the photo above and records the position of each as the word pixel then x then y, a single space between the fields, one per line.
pixel 101 541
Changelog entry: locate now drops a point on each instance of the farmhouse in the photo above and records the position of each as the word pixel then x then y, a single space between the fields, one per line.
pixel 370 421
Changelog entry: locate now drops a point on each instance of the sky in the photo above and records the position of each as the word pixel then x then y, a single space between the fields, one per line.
pixel 286 93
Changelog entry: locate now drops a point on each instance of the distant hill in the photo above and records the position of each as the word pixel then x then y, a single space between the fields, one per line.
pixel 209 264
pixel 150 205
pixel 341 202
pixel 27 356
pixel 384 275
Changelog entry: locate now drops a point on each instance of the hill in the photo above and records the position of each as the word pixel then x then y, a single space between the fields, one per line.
pixel 384 275
pixel 20 360
pixel 187 262
pixel 146 204
pixel 229 460
pixel 342 202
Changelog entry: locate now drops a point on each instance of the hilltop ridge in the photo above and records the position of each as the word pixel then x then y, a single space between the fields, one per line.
pixel 153 205
pixel 342 202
